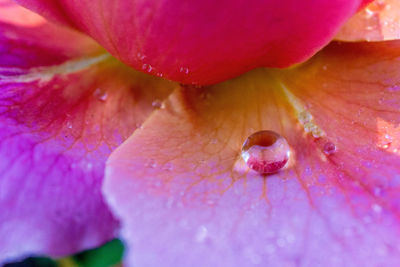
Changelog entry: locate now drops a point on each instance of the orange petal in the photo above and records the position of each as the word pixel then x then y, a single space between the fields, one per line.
pixel 379 21
pixel 186 198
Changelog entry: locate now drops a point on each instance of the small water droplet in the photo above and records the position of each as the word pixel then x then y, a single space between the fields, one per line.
pixel 156 104
pixel 151 163
pixel 305 117
pixel 147 67
pixel 329 148
pixel 100 94
pixel 168 166
pixel 369 13
pixel 140 56
pixel 386 142
pixel 184 70
pixel 69 125
pixel 201 234
pixel 265 152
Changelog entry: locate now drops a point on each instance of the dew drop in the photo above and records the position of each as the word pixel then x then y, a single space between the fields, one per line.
pixel 369 13
pixel 386 142
pixel 100 94
pixel 156 104
pixel 168 166
pixel 69 125
pixel 305 117
pixel 201 234
pixel 140 56
pixel 184 70
pixel 147 67
pixel 151 163
pixel 329 148
pixel 265 152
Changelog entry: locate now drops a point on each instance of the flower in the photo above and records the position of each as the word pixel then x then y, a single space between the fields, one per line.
pixel 178 185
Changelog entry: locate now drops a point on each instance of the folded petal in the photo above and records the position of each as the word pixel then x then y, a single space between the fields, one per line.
pixel 186 197
pixel 203 41
pixel 63 108
pixel 379 21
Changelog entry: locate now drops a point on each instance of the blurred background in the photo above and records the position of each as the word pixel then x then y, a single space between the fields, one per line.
pixel 110 254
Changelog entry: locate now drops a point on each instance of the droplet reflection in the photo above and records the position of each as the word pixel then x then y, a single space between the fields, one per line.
pixel 265 152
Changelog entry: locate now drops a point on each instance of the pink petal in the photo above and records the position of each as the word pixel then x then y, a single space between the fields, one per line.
pixel 204 41
pixel 377 22
pixel 186 198
pixel 63 108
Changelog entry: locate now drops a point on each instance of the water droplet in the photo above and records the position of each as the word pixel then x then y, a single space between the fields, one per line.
pixel 140 56
pixel 329 148
pixel 168 166
pixel 369 13
pixel 386 142
pixel 305 117
pixel 151 163
pixel 100 94
pixel 156 104
pixel 265 152
pixel 147 67
pixel 184 70
pixel 201 234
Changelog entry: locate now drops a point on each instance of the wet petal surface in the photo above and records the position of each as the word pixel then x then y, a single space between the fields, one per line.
pixel 63 108
pixel 186 197
pixel 203 41
pixel 379 21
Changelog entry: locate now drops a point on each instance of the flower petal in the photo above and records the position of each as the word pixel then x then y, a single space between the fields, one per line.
pixel 61 114
pixel 186 198
pixel 377 22
pixel 204 41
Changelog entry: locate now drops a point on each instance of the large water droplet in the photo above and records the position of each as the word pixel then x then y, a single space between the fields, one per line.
pixel 265 152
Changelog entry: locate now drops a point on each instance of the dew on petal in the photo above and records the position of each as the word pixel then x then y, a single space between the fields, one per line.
pixel 305 117
pixel 156 104
pixel 100 94
pixel 168 166
pixel 147 67
pixel 140 56
pixel 201 234
pixel 265 152
pixel 329 148
pixel 69 125
pixel 184 70
pixel 386 142
pixel 151 163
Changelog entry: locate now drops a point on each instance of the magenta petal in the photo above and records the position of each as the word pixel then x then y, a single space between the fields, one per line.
pixel 204 41
pixel 63 108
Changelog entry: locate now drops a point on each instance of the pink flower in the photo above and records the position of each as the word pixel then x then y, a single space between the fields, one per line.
pixel 177 187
